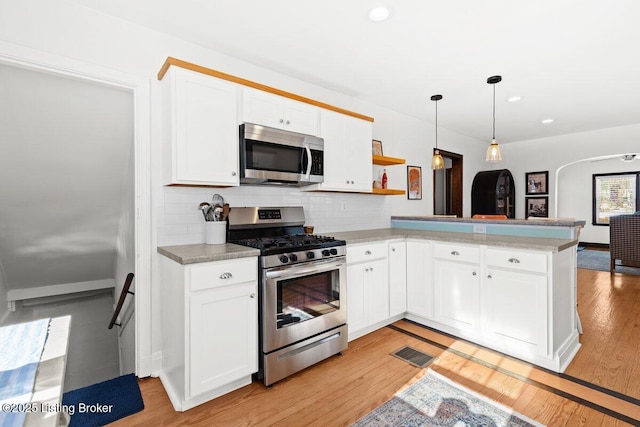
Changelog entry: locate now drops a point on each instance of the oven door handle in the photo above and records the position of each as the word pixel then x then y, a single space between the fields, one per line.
pixel 298 270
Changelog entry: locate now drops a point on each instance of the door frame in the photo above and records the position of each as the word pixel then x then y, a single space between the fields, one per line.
pixel 456 182
pixel 145 239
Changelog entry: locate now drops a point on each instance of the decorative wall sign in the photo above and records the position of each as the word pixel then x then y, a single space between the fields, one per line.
pixel 537 182
pixel 414 182
pixel 537 206
pixel 377 147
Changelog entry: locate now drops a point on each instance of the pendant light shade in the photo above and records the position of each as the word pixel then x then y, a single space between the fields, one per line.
pixel 437 162
pixel 493 152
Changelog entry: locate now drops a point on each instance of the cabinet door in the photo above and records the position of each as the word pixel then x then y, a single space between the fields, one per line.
pixel 223 339
pixel 356 298
pixel 516 315
pixel 377 288
pixel 397 278
pixel 457 294
pixel 420 279
pixel 278 112
pixel 347 152
pixel 205 136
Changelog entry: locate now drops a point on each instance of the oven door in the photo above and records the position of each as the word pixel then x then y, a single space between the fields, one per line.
pixel 303 300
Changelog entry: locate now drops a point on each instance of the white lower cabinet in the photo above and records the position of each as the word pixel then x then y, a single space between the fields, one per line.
pixel 209 328
pixel 420 279
pixel 397 278
pixel 367 288
pixel 457 294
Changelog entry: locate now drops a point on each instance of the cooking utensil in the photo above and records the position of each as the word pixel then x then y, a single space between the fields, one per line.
pixel 204 207
pixel 217 200
pixel 225 212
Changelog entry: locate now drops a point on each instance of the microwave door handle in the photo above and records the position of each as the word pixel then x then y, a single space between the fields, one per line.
pixel 309 162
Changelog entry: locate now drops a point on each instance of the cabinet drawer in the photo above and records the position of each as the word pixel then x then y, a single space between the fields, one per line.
pixel 457 252
pixel 517 260
pixel 366 252
pixel 222 273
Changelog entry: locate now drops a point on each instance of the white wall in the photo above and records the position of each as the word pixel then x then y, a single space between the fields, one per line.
pixel 553 152
pixel 65 29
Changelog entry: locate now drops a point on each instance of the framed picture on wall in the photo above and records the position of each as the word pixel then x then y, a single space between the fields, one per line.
pixel 414 182
pixel 537 182
pixel 376 147
pixel 537 207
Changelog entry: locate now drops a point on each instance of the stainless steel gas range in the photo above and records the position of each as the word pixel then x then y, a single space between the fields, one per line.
pixel 302 295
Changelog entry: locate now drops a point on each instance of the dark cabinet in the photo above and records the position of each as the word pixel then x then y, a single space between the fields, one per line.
pixel 493 193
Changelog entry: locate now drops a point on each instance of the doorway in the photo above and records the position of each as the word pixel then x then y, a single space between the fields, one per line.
pixel 447 186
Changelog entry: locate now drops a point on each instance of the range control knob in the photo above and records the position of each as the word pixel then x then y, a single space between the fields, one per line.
pixel 284 259
pixel 325 252
pixel 293 257
pixel 334 252
pixel 311 255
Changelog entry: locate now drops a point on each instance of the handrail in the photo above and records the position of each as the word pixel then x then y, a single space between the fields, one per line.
pixel 123 295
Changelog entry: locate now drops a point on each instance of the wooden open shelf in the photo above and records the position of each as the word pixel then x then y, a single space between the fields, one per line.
pixel 387 192
pixel 387 161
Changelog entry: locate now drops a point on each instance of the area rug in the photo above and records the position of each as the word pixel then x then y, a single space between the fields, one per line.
pixel 434 400
pixel 599 260
pixel 103 403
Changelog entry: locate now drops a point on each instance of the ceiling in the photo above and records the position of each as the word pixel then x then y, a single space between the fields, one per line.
pixel 66 151
pixel 574 61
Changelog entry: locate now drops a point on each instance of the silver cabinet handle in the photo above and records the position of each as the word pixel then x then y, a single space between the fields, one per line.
pixel 252 295
pixel 288 122
pixel 489 277
pixel 367 253
pixel 352 182
pixel 393 249
pixel 281 120
pixel 226 275
pixel 233 174
pixel 514 260
pixel 371 269
pixel 455 253
pixel 474 273
pixel 347 181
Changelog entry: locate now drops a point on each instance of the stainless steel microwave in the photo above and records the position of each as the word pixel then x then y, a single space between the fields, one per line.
pixel 279 157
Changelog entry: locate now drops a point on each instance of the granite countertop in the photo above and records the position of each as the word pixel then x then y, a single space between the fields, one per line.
pixel 532 243
pixel 189 254
pixel 545 222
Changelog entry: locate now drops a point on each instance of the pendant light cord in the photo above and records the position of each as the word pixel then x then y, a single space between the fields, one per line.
pixel 436 125
pixel 494 111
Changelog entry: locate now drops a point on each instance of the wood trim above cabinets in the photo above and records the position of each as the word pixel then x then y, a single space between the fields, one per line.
pixel 229 77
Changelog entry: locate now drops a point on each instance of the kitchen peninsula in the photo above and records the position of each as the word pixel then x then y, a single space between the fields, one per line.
pixel 510 286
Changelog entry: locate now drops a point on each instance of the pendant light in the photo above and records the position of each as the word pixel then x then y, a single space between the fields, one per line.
pixel 493 152
pixel 437 162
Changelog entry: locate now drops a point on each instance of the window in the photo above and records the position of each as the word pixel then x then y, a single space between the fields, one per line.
pixel 614 194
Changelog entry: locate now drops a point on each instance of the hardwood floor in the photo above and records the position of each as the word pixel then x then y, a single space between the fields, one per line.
pixel 344 388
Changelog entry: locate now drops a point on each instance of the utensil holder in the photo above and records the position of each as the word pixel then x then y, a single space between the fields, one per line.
pixel 215 232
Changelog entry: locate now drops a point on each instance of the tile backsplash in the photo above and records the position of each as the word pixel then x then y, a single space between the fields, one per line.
pixel 180 222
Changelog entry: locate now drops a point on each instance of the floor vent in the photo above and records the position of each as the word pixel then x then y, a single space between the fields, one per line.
pixel 413 356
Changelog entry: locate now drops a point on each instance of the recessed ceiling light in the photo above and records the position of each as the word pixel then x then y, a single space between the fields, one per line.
pixel 514 99
pixel 547 121
pixel 379 14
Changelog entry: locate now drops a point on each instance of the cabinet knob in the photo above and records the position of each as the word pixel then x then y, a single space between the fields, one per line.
pixel 489 277
pixel 367 253
pixel 226 275
pixel 474 273
pixel 371 269
pixel 281 120
pixel 352 182
pixel 393 249
pixel 252 295
pixel 233 174
pixel 347 181
pixel 514 260
pixel 288 122
pixel 455 253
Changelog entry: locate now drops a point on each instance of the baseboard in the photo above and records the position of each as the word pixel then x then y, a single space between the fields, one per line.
pixel 592 245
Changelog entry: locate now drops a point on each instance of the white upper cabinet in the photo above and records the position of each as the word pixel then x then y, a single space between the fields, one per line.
pixel 201 139
pixel 347 152
pixel 278 112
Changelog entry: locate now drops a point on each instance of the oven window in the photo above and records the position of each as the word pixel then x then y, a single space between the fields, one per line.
pixel 307 297
pixel 273 157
